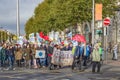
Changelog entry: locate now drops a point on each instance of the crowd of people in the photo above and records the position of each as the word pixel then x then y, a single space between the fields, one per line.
pixel 14 56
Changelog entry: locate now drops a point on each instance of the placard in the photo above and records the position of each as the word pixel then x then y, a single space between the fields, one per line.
pixel 66 58
pixel 62 58
pixel 40 54
pixel 56 57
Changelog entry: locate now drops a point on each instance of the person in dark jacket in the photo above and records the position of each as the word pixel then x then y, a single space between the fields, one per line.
pixel 77 57
pixel 2 56
pixel 11 57
pixel 49 51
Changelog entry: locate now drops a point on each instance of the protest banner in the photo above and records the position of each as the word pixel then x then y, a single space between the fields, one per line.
pixel 66 58
pixel 40 54
pixel 32 38
pixel 20 40
pixel 56 57
pixel 63 58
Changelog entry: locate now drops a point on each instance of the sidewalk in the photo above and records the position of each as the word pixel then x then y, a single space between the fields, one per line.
pixel 113 62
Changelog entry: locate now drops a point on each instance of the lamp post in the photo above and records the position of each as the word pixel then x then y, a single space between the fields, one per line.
pixel 93 20
pixel 18 19
pixel 117 25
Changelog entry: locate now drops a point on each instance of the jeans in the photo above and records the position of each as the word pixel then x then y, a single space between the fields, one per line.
pixel 28 63
pixel 49 62
pixel 96 64
pixel 115 54
pixel 2 63
pixel 43 61
pixel 38 62
pixel 11 61
pixel 85 60
pixel 77 63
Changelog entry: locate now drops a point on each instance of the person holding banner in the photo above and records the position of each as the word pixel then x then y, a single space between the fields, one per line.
pixel 28 57
pixel 33 56
pixel 49 51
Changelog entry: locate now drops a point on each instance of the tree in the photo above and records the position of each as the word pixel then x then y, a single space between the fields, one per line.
pixel 60 14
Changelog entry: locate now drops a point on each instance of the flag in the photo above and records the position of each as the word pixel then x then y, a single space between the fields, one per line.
pixel 31 35
pixel 32 38
pixel 39 39
pixel 41 34
pixel 69 35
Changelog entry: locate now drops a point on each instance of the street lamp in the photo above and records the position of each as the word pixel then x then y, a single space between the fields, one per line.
pixel 93 21
pixel 18 19
pixel 117 25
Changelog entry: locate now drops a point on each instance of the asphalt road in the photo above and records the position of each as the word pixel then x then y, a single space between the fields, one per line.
pixel 108 73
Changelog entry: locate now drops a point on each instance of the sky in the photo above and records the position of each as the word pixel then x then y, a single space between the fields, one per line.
pixel 8 13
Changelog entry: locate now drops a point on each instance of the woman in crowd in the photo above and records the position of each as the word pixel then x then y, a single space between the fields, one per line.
pixel 18 57
pixel 28 56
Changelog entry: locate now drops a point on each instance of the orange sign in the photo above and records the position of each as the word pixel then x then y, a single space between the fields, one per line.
pixel 98 12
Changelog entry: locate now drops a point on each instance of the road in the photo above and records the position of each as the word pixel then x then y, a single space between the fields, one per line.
pixel 108 72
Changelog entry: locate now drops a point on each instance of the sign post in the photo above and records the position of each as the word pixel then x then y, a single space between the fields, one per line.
pixel 106 23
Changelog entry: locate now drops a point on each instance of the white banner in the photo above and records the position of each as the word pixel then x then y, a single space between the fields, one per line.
pixel 66 58
pixel 56 57
pixel 63 58
pixel 40 54
pixel 32 38
pixel 20 40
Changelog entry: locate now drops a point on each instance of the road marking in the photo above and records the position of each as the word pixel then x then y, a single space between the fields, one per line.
pixel 67 75
pixel 11 77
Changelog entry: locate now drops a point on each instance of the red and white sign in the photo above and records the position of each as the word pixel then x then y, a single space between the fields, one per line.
pixel 106 21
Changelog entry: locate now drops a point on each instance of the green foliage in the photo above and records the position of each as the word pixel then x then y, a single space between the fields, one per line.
pixel 60 14
pixel 3 35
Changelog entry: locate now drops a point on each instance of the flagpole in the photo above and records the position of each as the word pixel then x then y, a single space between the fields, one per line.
pixel 18 19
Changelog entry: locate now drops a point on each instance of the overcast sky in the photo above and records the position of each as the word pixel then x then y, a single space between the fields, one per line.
pixel 8 13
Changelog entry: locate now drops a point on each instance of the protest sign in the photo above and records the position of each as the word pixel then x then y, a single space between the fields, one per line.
pixel 31 37
pixel 56 57
pixel 66 58
pixel 20 40
pixel 40 54
pixel 63 58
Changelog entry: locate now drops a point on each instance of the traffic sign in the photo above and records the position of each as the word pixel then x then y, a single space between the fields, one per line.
pixel 106 21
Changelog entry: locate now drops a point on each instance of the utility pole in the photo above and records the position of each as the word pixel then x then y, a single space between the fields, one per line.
pixel 18 19
pixel 93 21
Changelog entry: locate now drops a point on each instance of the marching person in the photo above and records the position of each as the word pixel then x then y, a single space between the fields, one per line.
pixel 2 56
pixel 18 57
pixel 49 51
pixel 96 59
pixel 11 57
pixel 28 56
pixel 86 54
pixel 115 50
